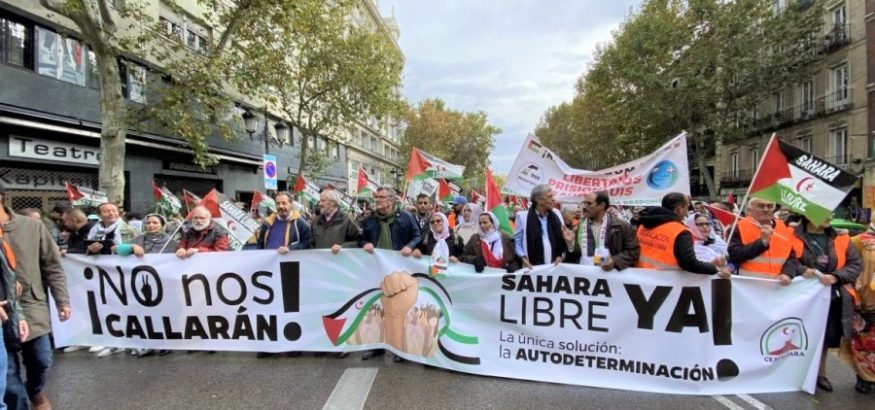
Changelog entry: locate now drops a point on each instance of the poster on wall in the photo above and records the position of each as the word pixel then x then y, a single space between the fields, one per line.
pixel 60 58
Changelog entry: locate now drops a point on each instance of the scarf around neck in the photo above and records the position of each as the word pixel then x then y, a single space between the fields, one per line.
pixel 384 241
pixel 492 238
pixel 440 255
pixel 98 231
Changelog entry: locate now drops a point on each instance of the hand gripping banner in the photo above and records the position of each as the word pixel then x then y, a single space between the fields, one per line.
pixel 643 330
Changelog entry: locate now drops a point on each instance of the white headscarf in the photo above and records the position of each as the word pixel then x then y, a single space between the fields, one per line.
pixel 707 248
pixel 492 237
pixel 441 249
pixel 465 228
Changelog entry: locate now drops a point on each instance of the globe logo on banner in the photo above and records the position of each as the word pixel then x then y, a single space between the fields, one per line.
pixel 530 175
pixel 663 175
pixel 270 172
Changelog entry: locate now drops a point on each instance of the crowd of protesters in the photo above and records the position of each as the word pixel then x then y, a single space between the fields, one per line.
pixel 765 242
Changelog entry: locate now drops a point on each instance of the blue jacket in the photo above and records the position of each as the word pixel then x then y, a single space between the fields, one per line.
pixel 299 234
pixel 405 231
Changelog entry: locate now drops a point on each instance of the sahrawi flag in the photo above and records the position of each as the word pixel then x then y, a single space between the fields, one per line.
pixel 82 196
pixel 366 187
pixel 494 203
pixel 445 194
pixel 165 201
pixel 307 188
pixel 424 166
pixel 262 205
pixel 805 184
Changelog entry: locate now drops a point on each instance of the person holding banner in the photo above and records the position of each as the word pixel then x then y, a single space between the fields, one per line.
pixel 490 247
pixel 110 230
pixel 468 223
pixel 333 229
pixel 154 239
pixel 284 230
pixel 538 236
pixel 820 251
pixel 203 236
pixel 423 212
pixel 440 242
pixel 610 242
pixel 707 244
pixel 666 243
pixel 391 228
pixel 760 244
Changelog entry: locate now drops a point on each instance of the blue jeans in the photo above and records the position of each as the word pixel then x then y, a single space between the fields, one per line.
pixel 37 357
pixel 3 359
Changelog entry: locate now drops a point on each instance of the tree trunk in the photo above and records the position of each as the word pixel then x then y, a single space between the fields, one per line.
pixel 706 175
pixel 303 157
pixel 114 126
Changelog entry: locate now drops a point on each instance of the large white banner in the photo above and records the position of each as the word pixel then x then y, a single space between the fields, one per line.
pixel 638 183
pixel 644 330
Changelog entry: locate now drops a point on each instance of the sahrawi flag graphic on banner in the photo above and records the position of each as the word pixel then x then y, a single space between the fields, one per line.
pixel 426 166
pixel 81 196
pixel 165 201
pixel 366 187
pixel 805 184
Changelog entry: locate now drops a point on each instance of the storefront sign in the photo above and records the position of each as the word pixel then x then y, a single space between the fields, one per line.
pixel 189 167
pixel 54 151
pixel 34 180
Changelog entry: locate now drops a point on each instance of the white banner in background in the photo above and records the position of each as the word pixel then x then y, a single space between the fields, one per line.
pixel 644 330
pixel 636 183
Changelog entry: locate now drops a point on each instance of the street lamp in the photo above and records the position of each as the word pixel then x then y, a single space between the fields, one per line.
pixel 250 121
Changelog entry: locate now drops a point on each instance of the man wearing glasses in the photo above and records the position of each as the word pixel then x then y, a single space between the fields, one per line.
pixel 389 227
pixel 760 244
pixel 608 241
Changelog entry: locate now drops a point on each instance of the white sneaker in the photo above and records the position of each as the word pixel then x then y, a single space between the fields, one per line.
pixel 110 351
pixel 95 349
pixel 70 349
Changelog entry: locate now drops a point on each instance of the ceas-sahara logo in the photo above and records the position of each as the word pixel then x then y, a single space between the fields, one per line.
pixel 786 337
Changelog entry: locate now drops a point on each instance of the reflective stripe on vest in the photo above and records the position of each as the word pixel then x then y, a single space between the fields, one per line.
pixel 657 245
pixel 769 263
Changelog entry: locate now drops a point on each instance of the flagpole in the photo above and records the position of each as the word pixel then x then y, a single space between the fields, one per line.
pixel 178 227
pixel 747 193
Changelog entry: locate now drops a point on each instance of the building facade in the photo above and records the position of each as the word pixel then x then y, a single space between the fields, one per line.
pixel 826 114
pixel 50 119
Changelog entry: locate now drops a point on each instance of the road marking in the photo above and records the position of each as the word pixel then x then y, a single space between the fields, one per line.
pixel 728 403
pixel 352 390
pixel 754 402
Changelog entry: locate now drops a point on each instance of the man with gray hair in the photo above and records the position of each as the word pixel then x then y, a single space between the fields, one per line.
pixel 203 236
pixel 538 236
pixel 333 229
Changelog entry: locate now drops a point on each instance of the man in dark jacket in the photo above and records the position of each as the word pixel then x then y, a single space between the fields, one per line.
pixel 389 227
pixel 285 230
pixel 77 226
pixel 538 236
pixel 610 242
pixel 661 229
pixel 38 267
pixel 333 229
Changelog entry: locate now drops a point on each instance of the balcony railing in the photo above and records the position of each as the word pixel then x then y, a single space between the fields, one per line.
pixel 828 104
pixel 738 179
pixel 839 36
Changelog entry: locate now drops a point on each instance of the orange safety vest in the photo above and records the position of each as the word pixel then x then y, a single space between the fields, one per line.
pixel 7 250
pixel 657 245
pixel 770 262
pixel 451 220
pixel 840 244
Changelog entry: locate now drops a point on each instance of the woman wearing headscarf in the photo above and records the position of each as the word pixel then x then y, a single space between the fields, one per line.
pixel 823 253
pixel 706 243
pixel 467 225
pixel 859 351
pixel 490 246
pixel 441 244
pixel 154 240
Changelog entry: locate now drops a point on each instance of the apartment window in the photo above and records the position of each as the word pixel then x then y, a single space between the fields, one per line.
pixel 754 158
pixel 805 143
pixel 839 17
pixel 93 74
pixel 838 143
pixel 133 81
pixel 15 40
pixel 733 165
pixel 778 102
pixel 807 98
pixel 840 84
pixel 186 32
pixel 60 58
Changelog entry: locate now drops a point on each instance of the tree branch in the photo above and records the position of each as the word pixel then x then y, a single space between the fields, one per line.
pixel 54 8
pixel 232 25
pixel 104 15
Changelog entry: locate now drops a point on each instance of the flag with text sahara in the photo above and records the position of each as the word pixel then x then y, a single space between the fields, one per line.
pixel 799 181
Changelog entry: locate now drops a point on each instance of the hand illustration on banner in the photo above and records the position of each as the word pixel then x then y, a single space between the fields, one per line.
pixel 400 291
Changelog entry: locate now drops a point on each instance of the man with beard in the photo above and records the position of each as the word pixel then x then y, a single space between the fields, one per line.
pixel 38 267
pixel 110 230
pixel 389 227
pixel 285 230
pixel 761 243
pixel 203 236
pixel 602 239
pixel 423 212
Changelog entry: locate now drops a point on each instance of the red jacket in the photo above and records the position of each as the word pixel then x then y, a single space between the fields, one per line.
pixel 212 239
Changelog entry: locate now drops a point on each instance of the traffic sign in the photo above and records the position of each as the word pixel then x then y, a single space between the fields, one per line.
pixel 270 172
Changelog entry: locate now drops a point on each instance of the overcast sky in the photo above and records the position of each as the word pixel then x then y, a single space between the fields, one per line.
pixel 512 59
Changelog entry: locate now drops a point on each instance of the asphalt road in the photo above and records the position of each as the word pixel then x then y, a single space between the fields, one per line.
pixel 239 380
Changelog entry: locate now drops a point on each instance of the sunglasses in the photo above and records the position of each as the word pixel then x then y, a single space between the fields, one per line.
pixel 437 221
